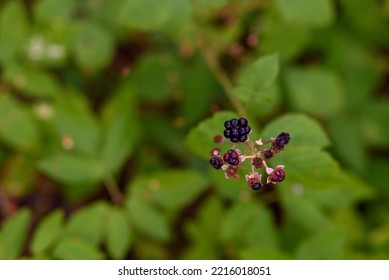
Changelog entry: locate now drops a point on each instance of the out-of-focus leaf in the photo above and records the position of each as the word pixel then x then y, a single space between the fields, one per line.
pixel 254 82
pixel 18 175
pixel 319 13
pixel 303 210
pixel 150 15
pixel 17 126
pixel 118 233
pixel 201 138
pixel 93 47
pixel 304 131
pixel 276 33
pixel 374 124
pixel 308 166
pixel 237 219
pixel 199 95
pixel 204 231
pixel 13 234
pixel 314 91
pixel 72 248
pixel 341 191
pixel 13 30
pixel 75 123
pixel 72 169
pixel 121 129
pixel 348 143
pixel 55 11
pixel 258 253
pixel 32 82
pixel 147 219
pixel 325 245
pixel 47 232
pixel 156 77
pixel 88 224
pixel 170 189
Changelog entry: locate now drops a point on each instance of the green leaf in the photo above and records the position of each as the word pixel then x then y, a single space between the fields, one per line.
pixel 147 219
pixel 17 126
pixel 121 129
pixel 304 131
pixel 171 189
pixel 93 47
pixel 258 253
pixel 13 234
pixel 13 30
pixel 72 169
pixel 151 15
pixel 201 138
pixel 341 191
pixel 47 232
pixel 348 143
pixel 118 233
pixel 308 166
pixel 75 121
pixel 318 13
pixel 325 245
pixel 276 33
pixel 32 82
pixel 303 210
pixel 315 91
pixel 236 219
pixel 71 248
pixel 55 12
pixel 155 76
pixel 88 224
pixel 374 124
pixel 253 81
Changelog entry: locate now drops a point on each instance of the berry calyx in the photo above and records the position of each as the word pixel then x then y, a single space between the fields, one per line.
pixel 254 181
pixel 216 162
pixel 237 130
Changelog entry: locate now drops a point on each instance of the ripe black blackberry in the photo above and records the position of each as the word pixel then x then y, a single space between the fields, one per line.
pixel 231 157
pixel 216 162
pixel 281 140
pixel 237 130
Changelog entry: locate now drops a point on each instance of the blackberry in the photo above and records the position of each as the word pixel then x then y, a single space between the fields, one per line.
pixel 278 175
pixel 231 157
pixel 216 162
pixel 256 186
pixel 268 153
pixel 237 130
pixel 257 162
pixel 281 140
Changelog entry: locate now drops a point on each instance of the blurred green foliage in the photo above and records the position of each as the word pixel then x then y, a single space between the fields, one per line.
pixel 108 109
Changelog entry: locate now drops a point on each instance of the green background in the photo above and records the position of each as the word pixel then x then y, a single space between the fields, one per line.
pixel 108 109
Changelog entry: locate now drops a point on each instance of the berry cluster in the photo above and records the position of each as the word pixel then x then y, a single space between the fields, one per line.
pixel 238 130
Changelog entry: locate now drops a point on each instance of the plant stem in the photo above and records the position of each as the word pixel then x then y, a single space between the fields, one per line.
pixel 213 64
pixel 113 189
